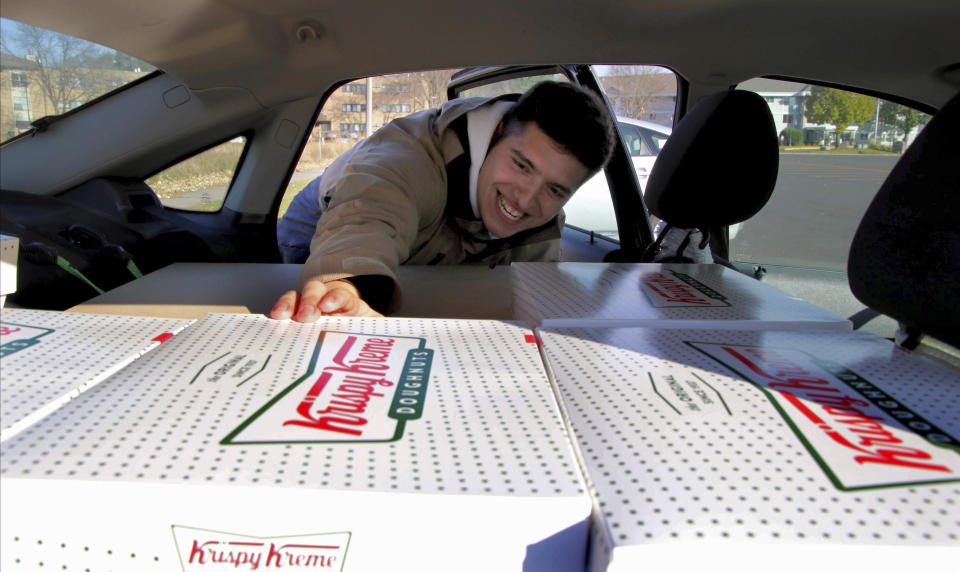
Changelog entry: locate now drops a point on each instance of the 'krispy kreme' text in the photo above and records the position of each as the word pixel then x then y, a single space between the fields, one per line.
pixel 356 382
pixel 840 416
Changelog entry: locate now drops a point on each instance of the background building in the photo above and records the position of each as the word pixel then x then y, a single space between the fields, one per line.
pixel 344 114
pixel 30 90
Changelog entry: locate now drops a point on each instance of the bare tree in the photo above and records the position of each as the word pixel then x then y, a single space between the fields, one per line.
pixel 429 88
pixel 634 90
pixel 69 70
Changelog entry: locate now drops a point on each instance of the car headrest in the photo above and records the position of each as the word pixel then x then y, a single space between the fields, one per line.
pixel 719 165
pixel 905 257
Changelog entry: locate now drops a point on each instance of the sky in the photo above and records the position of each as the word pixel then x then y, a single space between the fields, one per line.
pixel 6 26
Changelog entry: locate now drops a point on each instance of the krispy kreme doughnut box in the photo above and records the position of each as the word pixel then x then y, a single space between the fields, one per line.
pixel 245 443
pixel 593 294
pixel 789 450
pixel 48 358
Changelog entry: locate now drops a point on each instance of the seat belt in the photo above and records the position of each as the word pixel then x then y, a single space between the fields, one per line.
pixel 85 237
pixel 45 255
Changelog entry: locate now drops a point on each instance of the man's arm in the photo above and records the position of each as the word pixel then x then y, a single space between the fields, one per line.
pixel 375 198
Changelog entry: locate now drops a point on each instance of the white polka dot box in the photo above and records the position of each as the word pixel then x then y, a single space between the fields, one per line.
pixel 245 443
pixel 587 294
pixel 48 358
pixel 747 450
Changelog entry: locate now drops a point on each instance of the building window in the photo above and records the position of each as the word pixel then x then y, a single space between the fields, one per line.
pixel 788 119
pixel 397 88
pixel 355 88
pixel 353 126
pixel 395 108
pixel 21 108
pixel 19 79
pixel 354 107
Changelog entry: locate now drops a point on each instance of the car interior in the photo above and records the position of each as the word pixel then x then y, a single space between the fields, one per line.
pixel 74 183
pixel 811 146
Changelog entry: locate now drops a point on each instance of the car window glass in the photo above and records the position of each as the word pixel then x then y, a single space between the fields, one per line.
pixel 344 119
pixel 643 99
pixel 656 138
pixel 199 183
pixel 834 156
pixel 633 140
pixel 44 73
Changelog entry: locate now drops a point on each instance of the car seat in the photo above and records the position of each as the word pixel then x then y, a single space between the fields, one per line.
pixel 905 256
pixel 718 168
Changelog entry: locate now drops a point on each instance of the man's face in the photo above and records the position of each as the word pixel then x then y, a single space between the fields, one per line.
pixel 525 180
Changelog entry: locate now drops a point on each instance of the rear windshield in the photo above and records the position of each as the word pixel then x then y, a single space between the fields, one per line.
pixel 45 73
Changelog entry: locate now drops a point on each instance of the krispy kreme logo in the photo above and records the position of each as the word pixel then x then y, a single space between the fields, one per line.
pixel 861 436
pixel 679 290
pixel 16 337
pixel 359 388
pixel 201 550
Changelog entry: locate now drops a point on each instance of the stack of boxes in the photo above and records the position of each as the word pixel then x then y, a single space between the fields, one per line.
pixel 721 423
pixel 639 416
pixel 349 444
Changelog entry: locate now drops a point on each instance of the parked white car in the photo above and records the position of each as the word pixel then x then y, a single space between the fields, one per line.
pixel 591 207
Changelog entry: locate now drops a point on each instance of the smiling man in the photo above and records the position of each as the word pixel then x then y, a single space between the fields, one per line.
pixel 478 181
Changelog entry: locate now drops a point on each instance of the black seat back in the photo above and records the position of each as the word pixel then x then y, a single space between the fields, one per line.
pixel 905 257
pixel 719 165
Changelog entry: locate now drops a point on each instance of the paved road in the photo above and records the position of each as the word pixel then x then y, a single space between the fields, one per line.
pixel 808 222
pixel 813 213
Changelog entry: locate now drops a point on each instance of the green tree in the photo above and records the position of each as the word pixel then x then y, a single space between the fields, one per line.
pixel 839 108
pixel 901 117
pixel 792 136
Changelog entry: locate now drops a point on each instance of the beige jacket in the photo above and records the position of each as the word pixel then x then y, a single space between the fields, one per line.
pixel 385 203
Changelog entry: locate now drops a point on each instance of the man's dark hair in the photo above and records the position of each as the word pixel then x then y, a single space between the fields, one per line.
pixel 575 118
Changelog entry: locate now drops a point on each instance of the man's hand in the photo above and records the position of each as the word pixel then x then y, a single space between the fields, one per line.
pixel 335 298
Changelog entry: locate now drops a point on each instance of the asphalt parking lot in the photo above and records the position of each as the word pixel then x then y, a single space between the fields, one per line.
pixel 814 211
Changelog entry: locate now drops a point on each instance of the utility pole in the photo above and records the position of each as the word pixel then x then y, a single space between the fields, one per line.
pixel 320 144
pixel 369 106
pixel 876 125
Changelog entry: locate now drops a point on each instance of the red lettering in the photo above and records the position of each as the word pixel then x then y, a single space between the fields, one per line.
pixel 790 383
pixel 197 551
pixel 683 295
pixel 838 400
pixel 889 456
pixel 327 423
pixel 862 425
pixel 802 408
pixel 273 553
pixel 848 412
pixel 804 384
